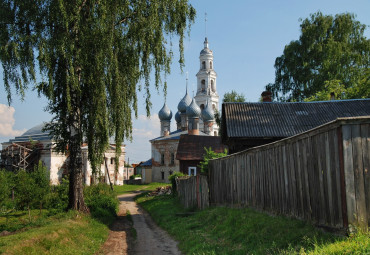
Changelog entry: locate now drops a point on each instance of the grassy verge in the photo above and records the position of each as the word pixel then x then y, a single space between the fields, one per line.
pixel 68 233
pixel 245 231
pixel 131 187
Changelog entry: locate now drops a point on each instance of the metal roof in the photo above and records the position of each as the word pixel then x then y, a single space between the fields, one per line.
pixel 260 120
pixel 175 135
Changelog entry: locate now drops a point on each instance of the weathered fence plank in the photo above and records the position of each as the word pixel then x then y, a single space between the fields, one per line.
pixel 321 175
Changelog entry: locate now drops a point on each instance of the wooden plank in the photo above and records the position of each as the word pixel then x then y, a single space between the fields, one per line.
pixel 322 178
pixel 358 169
pixel 335 178
pixel 365 143
pixel 349 176
pixel 328 182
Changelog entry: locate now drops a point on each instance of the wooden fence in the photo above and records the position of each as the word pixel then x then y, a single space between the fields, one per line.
pixel 193 191
pixel 321 175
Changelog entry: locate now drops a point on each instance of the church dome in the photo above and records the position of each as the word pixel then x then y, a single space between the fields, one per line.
pixel 36 130
pixel 165 113
pixel 206 50
pixel 193 110
pixel 184 103
pixel 208 113
pixel 178 117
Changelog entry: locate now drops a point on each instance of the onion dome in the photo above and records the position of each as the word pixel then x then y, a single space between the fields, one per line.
pixel 208 113
pixel 178 117
pixel 184 103
pixel 206 50
pixel 193 110
pixel 165 113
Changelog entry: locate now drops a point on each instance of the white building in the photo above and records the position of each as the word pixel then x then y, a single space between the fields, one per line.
pixel 43 146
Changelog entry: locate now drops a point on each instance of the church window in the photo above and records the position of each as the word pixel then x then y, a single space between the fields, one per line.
pixel 111 161
pixel 162 173
pixel 162 159
pixel 172 158
pixel 213 87
pixel 203 85
pixel 214 106
pixel 202 107
pixel 215 133
pixel 210 64
pixel 204 65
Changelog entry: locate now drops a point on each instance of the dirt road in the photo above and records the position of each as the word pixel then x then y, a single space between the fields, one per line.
pixel 150 238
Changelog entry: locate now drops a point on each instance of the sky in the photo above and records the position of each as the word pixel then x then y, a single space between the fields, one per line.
pixel 246 36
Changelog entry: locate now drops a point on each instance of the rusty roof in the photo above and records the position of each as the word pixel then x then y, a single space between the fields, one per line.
pixel 191 147
pixel 261 120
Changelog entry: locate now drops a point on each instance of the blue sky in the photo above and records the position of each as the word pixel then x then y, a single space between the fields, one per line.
pixel 245 36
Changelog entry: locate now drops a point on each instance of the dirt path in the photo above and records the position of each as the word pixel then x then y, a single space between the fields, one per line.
pixel 150 238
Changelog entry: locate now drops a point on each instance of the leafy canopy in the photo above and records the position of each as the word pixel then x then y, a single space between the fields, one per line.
pixel 233 96
pixel 331 50
pixel 91 56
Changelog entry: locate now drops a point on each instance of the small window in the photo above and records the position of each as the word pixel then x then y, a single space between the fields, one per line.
pixel 111 161
pixel 210 65
pixel 204 65
pixel 202 107
pixel 203 85
pixel 215 133
pixel 162 173
pixel 162 159
pixel 171 172
pixel 214 106
pixel 213 87
pixel 172 158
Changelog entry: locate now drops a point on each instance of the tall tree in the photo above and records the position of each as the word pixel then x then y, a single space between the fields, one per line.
pixel 91 56
pixel 329 49
pixel 233 96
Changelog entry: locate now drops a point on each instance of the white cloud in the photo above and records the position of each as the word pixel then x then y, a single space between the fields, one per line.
pixel 7 122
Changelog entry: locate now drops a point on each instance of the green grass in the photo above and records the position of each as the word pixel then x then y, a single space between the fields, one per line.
pixel 245 231
pixel 68 233
pixel 127 188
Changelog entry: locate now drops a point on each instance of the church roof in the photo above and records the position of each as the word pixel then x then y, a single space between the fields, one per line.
pixel 35 133
pixel 207 113
pixel 184 103
pixel 178 117
pixel 279 120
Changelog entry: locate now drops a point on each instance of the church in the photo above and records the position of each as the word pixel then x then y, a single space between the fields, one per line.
pixel 194 116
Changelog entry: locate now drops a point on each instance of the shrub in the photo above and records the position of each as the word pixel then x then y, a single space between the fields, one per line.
pixel 102 202
pixel 57 198
pixel 172 179
pixel 210 154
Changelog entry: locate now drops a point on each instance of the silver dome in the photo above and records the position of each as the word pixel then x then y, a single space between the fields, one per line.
pixel 208 113
pixel 184 103
pixel 165 113
pixel 193 110
pixel 178 117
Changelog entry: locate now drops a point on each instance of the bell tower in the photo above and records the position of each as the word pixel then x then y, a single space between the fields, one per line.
pixel 206 83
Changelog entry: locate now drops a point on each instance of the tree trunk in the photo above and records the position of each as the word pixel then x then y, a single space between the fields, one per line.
pixel 76 195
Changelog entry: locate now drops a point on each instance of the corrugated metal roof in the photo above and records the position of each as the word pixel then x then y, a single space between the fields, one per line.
pixel 258 120
pixel 191 147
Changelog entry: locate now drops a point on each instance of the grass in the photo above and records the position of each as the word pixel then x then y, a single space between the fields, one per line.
pixel 127 188
pixel 223 230
pixel 132 229
pixel 68 233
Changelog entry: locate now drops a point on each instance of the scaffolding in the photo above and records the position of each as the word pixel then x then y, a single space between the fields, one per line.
pixel 20 156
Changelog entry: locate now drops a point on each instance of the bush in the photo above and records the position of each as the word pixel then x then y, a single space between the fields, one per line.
pixel 172 179
pixel 102 202
pixel 57 198
pixel 210 154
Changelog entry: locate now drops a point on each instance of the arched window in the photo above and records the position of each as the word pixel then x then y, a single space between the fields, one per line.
pixel 210 65
pixel 202 107
pixel 213 106
pixel 213 87
pixel 204 65
pixel 215 133
pixel 203 85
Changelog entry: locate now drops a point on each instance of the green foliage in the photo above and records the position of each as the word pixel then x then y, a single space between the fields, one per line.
pixel 7 205
pixel 122 189
pixel 132 177
pixel 222 230
pixel 25 190
pixel 210 154
pixel 233 96
pixel 331 54
pixel 41 178
pixel 57 198
pixel 102 202
pixel 172 179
